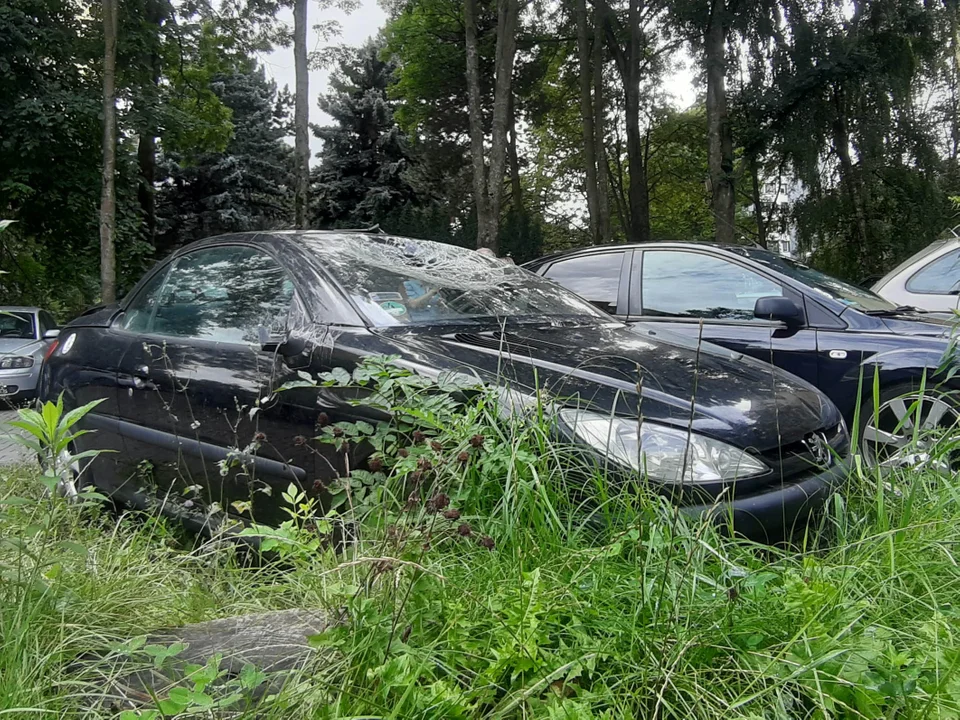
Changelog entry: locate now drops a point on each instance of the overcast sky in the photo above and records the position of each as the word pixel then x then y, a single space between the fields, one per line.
pixel 363 24
pixel 356 28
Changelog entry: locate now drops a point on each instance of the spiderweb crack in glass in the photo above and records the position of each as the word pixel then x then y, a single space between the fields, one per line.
pixel 400 281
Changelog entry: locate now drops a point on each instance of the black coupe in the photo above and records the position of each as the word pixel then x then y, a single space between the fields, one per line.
pixel 211 331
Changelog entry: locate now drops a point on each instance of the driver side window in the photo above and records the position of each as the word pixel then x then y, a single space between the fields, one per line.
pixel 222 294
pixel 695 285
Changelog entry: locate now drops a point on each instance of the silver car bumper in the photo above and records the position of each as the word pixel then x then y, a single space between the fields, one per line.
pixel 18 383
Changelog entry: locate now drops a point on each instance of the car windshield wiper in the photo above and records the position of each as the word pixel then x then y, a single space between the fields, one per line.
pixel 551 320
pixel 899 310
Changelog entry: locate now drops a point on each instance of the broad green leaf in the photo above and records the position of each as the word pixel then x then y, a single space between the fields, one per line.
pixel 72 417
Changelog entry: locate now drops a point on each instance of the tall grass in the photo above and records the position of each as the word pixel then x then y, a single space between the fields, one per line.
pixel 519 604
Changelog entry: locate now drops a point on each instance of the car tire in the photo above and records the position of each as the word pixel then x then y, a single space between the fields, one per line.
pixel 886 429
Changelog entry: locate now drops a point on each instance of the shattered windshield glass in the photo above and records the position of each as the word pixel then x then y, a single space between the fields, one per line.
pixel 399 281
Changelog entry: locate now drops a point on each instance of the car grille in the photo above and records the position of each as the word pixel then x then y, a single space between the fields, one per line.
pixel 790 462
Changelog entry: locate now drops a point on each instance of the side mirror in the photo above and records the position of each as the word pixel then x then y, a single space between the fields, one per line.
pixel 51 333
pixel 778 308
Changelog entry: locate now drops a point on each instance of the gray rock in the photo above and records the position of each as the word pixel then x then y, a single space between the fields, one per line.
pixel 275 643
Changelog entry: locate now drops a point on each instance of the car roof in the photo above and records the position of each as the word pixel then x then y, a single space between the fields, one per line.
pixel 642 246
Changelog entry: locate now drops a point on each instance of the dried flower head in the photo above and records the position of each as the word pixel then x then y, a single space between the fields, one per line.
pixel 323 420
pixel 300 441
pixel 438 502
pixel 487 542
pixel 424 464
pixel 435 446
pixel 463 456
pixel 403 452
pixel 375 464
pixel 418 437
pixel 259 436
pixel 476 441
pixel 338 432
pixel 465 530
pixel 452 514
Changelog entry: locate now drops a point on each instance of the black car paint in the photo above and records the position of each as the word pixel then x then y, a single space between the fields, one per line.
pixel 834 346
pixel 173 408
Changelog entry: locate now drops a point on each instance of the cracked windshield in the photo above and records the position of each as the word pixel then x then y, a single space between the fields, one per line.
pixel 399 281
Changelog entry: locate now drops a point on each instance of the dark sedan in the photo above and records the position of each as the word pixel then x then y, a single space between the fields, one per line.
pixel 835 335
pixel 214 329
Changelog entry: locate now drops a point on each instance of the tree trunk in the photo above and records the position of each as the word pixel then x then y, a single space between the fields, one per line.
pixel 488 188
pixel 475 116
pixel 301 118
pixel 147 144
pixel 757 202
pixel 719 135
pixel 108 200
pixel 509 12
pixel 586 119
pixel 516 189
pixel 599 114
pixel 954 14
pixel 639 199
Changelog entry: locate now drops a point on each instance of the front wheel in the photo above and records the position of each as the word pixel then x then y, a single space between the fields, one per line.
pixel 906 428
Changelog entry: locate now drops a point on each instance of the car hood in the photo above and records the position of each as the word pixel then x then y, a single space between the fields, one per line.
pixel 18 346
pixel 918 324
pixel 614 369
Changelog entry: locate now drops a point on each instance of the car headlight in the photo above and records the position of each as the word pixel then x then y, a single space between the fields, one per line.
pixel 14 362
pixel 662 453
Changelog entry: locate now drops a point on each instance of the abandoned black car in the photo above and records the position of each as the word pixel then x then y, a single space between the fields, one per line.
pixel 213 330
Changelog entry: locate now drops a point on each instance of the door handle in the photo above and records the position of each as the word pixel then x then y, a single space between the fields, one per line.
pixel 136 382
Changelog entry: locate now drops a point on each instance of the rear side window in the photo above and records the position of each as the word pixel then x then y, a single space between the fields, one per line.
pixel 595 278
pixel 941 277
pixel 46 321
pixel 139 314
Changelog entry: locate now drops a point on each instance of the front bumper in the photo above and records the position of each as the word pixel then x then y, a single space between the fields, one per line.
pixel 19 384
pixel 775 512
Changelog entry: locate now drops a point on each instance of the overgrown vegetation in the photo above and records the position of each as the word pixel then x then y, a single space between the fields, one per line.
pixel 476 584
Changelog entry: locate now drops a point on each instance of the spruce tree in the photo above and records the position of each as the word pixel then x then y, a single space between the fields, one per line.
pixel 364 177
pixel 248 186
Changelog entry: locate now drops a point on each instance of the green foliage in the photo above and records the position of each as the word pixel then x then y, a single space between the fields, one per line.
pixel 677 172
pixel 518 608
pixel 364 172
pixel 243 187
pixel 48 432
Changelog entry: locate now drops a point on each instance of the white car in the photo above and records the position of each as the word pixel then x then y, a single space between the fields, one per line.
pixel 929 280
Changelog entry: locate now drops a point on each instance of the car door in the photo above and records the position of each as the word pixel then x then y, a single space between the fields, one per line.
pixel 684 288
pixel 598 277
pixel 197 387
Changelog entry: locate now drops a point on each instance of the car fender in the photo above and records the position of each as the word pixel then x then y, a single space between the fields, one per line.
pixel 897 366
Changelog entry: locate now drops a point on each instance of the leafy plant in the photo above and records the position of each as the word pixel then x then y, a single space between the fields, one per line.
pixel 51 436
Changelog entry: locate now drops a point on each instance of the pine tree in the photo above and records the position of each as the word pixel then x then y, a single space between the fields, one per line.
pixel 363 176
pixel 246 187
